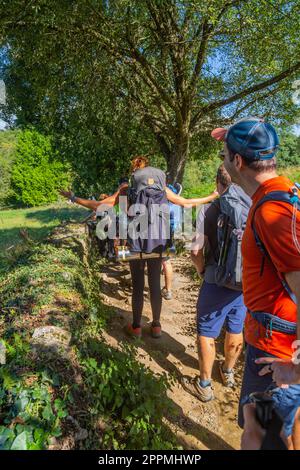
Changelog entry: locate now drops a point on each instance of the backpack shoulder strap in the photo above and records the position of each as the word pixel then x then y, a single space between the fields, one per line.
pixel 280 196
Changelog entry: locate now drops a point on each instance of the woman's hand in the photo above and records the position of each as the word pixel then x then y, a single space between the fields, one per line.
pixel 66 194
pixel 123 189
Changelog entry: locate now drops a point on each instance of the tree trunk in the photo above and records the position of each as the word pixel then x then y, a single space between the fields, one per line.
pixel 175 154
pixel 178 158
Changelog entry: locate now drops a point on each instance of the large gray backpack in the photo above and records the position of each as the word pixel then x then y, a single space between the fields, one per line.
pixel 234 206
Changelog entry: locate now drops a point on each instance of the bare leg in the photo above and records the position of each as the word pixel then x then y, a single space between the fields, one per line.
pixel 296 431
pixel 233 347
pixel 206 354
pixel 168 272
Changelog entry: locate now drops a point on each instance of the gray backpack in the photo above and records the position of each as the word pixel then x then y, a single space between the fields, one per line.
pixel 234 206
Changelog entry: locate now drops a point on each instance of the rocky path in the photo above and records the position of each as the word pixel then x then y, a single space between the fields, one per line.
pixel 197 425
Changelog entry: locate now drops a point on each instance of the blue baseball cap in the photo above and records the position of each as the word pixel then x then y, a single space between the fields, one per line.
pixel 252 138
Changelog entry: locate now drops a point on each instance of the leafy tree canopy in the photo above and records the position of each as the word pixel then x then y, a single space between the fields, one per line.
pixel 174 67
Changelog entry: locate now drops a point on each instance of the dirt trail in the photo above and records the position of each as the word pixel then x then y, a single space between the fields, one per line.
pixel 197 425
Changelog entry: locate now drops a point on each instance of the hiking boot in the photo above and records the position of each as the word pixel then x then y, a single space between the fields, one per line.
pixel 133 332
pixel 156 331
pixel 193 387
pixel 227 377
pixel 166 294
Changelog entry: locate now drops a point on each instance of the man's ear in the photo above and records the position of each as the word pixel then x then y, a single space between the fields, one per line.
pixel 239 163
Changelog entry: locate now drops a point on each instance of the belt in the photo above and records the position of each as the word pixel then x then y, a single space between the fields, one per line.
pixel 274 323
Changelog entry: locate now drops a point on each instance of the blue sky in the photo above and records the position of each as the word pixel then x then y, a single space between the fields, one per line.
pixel 297 129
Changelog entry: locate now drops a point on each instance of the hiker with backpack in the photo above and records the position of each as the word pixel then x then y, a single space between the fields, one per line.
pixel 271 281
pixel 148 185
pixel 146 189
pixel 216 255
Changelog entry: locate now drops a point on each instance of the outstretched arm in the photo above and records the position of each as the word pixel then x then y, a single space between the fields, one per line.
pixel 182 201
pixel 93 205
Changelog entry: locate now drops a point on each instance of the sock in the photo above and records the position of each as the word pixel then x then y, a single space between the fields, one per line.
pixel 155 323
pixel 204 383
pixel 226 371
pixel 135 325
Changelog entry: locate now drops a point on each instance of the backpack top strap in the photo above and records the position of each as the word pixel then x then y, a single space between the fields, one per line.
pixel 280 196
pixel 291 198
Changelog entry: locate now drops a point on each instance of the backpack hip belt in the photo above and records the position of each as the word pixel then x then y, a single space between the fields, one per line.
pixel 274 323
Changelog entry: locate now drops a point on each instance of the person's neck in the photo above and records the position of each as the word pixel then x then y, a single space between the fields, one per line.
pixel 250 185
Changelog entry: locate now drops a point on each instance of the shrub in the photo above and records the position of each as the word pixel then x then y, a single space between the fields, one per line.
pixel 7 155
pixel 37 172
pixel 200 177
pixel 289 151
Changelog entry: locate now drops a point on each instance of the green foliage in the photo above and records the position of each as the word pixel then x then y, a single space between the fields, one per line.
pixel 35 281
pixel 200 177
pixel 167 70
pixel 7 155
pixel 37 395
pixel 289 151
pixel 33 402
pixel 37 222
pixel 293 173
pixel 130 393
pixel 37 173
pixel 31 413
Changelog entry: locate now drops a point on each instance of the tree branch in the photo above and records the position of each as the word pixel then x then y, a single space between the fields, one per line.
pixel 242 94
pixel 206 31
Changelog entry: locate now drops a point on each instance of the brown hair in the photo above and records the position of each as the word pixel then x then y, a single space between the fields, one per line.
pixel 223 176
pixel 139 161
pixel 259 166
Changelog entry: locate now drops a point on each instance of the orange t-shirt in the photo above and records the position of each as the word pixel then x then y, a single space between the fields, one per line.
pixel 273 223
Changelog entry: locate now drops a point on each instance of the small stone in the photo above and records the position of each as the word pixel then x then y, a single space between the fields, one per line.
pixel 67 276
pixel 81 435
pixel 50 339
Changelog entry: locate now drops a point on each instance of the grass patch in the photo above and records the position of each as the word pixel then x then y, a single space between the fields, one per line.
pixel 37 223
